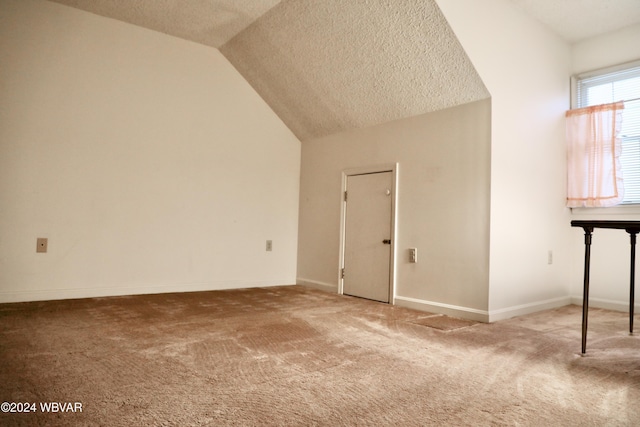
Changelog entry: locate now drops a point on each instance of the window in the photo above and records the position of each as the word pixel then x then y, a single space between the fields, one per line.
pixel 612 85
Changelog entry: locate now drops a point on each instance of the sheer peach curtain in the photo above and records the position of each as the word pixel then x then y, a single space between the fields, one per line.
pixel 593 151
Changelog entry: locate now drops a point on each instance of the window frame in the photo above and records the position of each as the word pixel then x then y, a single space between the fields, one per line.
pixel 623 208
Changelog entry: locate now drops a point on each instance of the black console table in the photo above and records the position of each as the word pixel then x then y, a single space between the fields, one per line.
pixel 631 227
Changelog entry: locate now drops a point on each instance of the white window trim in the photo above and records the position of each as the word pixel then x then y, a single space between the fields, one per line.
pixel 620 210
pixel 592 73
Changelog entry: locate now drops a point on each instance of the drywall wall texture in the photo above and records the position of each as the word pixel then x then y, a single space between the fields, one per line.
pixel 607 50
pixel 331 66
pixel 610 250
pixel 131 152
pixel 442 209
pixel 526 68
pixel 206 22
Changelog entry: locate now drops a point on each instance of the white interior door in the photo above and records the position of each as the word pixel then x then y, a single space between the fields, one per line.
pixel 367 244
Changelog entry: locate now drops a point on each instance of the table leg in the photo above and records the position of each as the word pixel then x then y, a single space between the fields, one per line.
pixel 632 279
pixel 585 292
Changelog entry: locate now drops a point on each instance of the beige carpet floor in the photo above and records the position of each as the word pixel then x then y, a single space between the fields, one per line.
pixel 295 356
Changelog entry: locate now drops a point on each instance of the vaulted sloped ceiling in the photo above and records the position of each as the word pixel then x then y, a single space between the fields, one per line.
pixel 333 65
pixel 323 66
pixel 208 22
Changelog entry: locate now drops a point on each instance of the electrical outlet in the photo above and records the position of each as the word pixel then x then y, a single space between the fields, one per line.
pixel 413 255
pixel 269 245
pixel 41 244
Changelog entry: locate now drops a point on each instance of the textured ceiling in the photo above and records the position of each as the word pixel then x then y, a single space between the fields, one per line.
pixel 214 22
pixel 209 22
pixel 333 65
pixel 326 66
pixel 575 20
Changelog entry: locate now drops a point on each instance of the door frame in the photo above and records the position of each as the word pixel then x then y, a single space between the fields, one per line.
pixel 393 168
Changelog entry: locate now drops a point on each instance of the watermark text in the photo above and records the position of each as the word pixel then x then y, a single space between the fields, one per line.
pixel 25 407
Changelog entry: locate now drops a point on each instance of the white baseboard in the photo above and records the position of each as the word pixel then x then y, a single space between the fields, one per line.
pixel 318 285
pixel 606 304
pixel 97 292
pixel 440 308
pixel 481 315
pixel 520 310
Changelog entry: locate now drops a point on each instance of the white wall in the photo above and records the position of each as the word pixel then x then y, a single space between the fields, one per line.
pixel 442 208
pixel 526 69
pixel 147 161
pixel 606 50
pixel 609 281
